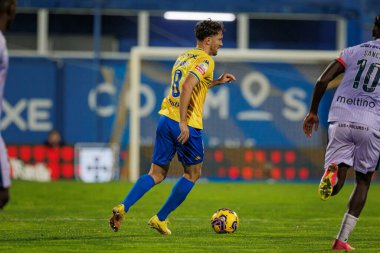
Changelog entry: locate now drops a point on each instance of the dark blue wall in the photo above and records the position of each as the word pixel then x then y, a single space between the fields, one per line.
pixel 41 94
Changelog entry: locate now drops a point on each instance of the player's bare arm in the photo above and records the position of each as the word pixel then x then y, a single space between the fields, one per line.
pixel 187 88
pixel 311 120
pixel 224 78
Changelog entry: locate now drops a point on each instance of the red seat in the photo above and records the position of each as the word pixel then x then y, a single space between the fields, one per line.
pixel 67 170
pixel 276 173
pixel 260 156
pixel 218 156
pixel 12 151
pixel 233 172
pixel 303 173
pixel 247 173
pixel 39 153
pixel 67 153
pixel 275 156
pixel 25 153
pixel 290 156
pixel 290 173
pixel 54 170
pixel 248 156
pixel 53 154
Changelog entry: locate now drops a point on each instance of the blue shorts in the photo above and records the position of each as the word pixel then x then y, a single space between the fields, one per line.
pixel 166 145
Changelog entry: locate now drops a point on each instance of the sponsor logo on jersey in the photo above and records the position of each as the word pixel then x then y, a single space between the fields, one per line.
pixel 360 102
pixel 202 68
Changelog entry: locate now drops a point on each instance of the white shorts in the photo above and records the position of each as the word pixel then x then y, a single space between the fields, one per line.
pixel 5 172
pixel 354 144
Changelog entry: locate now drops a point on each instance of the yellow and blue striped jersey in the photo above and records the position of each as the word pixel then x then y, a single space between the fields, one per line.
pixel 199 64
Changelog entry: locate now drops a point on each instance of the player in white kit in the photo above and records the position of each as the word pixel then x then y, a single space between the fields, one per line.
pixel 354 126
pixel 7 14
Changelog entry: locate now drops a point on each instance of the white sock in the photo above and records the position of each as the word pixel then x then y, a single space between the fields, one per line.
pixel 348 224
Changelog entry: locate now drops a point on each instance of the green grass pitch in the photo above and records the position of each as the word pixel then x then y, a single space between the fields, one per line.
pixel 69 216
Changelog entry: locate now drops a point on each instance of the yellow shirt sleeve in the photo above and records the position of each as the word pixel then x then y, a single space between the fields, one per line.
pixel 202 67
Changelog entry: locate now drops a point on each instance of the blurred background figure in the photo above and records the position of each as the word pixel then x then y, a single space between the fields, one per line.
pixel 54 139
pixel 7 14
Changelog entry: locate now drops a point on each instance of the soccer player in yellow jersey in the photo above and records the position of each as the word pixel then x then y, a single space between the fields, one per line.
pixel 180 126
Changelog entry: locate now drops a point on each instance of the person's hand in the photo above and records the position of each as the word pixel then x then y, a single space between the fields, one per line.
pixel 311 120
pixel 226 78
pixel 184 135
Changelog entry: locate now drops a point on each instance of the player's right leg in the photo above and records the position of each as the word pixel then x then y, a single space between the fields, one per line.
pixel 164 150
pixel 155 176
pixel 160 226
pixel 179 193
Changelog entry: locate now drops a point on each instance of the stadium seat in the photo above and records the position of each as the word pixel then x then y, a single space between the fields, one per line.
pixel 53 154
pixel 233 172
pixel 276 173
pixel 247 173
pixel 39 153
pixel 248 156
pixel 260 156
pixel 54 170
pixel 218 155
pixel 290 156
pixel 303 173
pixel 25 153
pixel 67 153
pixel 12 151
pixel 67 170
pixel 275 156
pixel 290 173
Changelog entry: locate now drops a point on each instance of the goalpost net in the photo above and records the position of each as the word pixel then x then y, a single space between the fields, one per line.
pixel 252 127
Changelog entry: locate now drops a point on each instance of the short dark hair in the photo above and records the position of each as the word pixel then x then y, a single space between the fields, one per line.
pixel 377 21
pixel 4 5
pixel 207 28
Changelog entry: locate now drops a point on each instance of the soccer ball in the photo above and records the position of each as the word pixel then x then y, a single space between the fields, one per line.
pixel 224 221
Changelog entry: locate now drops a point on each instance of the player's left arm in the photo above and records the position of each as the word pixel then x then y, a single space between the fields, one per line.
pixel 224 78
